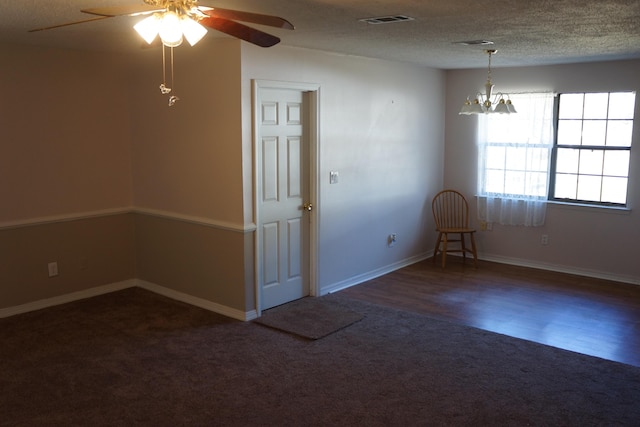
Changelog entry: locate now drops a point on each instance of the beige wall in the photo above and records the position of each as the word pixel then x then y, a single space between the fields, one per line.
pixel 201 261
pixel 65 133
pixel 90 252
pixel 64 154
pixel 187 158
pixel 187 175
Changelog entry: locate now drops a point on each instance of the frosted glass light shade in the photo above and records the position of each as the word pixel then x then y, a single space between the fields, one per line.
pixel 192 30
pixel 501 107
pixel 170 29
pixel 148 28
pixel 466 107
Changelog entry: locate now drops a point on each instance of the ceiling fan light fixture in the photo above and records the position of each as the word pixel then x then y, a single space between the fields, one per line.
pixel 176 20
pixel 192 30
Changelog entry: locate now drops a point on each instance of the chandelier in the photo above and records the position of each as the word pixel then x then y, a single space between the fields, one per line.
pixel 484 103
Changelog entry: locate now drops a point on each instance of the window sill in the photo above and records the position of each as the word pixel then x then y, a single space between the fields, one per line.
pixel 620 210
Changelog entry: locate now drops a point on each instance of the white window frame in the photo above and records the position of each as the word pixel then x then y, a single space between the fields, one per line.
pixel 513 190
pixel 581 149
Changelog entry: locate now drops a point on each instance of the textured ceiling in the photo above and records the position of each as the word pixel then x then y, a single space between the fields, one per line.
pixel 525 32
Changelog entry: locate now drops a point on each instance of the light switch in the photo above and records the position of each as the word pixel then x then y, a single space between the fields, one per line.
pixel 333 177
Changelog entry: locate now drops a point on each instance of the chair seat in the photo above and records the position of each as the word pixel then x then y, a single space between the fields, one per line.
pixel 456 230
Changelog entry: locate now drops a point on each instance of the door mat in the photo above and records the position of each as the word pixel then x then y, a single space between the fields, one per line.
pixel 311 317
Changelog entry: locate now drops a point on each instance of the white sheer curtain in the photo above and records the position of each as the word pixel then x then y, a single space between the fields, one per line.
pixel 514 153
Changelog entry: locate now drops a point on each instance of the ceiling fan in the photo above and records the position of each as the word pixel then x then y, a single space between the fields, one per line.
pixel 185 13
pixel 176 20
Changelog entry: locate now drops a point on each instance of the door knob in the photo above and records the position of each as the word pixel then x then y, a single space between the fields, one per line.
pixel 307 207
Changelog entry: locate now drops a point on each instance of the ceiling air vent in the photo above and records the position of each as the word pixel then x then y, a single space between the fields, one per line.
pixel 387 19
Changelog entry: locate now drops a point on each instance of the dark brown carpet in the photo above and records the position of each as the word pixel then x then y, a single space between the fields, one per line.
pixel 136 358
pixel 311 318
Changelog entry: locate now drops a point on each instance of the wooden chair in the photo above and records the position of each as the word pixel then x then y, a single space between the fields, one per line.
pixel 451 214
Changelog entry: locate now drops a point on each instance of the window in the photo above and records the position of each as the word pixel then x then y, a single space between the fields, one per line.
pixel 514 154
pixel 592 149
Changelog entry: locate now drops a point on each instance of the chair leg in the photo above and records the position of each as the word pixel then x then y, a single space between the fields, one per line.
pixel 463 247
pixel 473 248
pixel 444 249
pixel 437 248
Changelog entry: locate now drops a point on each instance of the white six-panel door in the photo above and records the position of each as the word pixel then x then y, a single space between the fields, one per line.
pixel 283 196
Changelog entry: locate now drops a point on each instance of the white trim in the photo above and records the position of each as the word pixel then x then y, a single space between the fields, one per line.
pixel 314 184
pixel 562 269
pixel 584 207
pixel 575 271
pixel 63 299
pixel 243 228
pixel 356 280
pixel 118 286
pixel 361 278
pixel 198 302
pixel 314 167
pixel 253 314
pixel 63 218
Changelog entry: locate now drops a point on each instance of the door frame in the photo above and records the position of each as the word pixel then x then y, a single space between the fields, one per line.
pixel 312 129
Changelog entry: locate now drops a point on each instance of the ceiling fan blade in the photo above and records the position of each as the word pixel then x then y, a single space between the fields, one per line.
pixel 138 9
pixel 240 31
pixel 256 18
pixel 68 23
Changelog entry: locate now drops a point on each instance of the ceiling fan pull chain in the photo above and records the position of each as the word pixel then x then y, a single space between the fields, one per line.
pixel 163 87
pixel 172 98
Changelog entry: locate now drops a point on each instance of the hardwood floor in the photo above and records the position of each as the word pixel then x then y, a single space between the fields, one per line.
pixel 590 316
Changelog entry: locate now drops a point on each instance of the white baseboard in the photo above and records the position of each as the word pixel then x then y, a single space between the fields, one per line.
pixel 252 314
pixel 356 280
pixel 113 287
pixel 198 302
pixel 63 299
pixel 562 269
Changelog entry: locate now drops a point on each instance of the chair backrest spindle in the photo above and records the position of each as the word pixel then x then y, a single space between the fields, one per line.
pixel 450 210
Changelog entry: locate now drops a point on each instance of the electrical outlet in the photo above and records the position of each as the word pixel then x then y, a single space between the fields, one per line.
pixel 486 226
pixel 544 240
pixel 391 240
pixel 53 269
